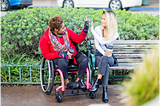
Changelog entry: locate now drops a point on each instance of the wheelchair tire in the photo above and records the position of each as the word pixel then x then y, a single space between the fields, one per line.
pixel 47 75
pixel 58 97
pixel 92 95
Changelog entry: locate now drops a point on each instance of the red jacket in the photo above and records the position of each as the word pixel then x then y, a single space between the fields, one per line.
pixel 47 49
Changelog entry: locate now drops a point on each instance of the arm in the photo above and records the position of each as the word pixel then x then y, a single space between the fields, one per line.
pixel 75 37
pixel 44 45
pixel 79 38
pixel 99 39
pixel 98 47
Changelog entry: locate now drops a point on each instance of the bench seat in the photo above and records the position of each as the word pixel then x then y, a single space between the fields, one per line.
pixel 129 54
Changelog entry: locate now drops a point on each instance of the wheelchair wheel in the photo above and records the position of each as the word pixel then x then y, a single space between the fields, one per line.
pixel 47 75
pixel 92 95
pixel 58 97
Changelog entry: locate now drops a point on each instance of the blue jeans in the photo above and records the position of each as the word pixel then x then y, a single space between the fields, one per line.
pixel 104 63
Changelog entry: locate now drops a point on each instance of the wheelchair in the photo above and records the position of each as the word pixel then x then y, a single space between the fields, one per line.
pixel 48 71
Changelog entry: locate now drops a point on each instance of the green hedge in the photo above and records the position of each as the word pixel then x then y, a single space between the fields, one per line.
pixel 23 59
pixel 21 30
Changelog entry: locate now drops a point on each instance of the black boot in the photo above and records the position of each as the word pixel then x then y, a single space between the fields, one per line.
pixel 95 86
pixel 104 95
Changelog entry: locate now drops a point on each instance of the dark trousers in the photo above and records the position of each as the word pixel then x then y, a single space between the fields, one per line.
pixel 104 63
pixel 82 62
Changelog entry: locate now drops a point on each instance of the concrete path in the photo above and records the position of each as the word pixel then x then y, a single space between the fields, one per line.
pixel 34 96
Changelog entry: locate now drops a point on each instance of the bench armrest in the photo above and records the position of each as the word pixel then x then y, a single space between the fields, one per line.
pixel 91 57
pixel 93 61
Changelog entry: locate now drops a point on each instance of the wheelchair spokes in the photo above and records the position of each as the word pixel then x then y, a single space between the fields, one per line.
pixel 47 75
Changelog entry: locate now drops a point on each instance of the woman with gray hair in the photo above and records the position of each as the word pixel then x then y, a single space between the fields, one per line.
pixel 104 37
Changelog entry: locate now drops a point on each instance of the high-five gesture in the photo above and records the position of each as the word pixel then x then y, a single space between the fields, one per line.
pixel 86 19
pixel 91 23
pixel 86 26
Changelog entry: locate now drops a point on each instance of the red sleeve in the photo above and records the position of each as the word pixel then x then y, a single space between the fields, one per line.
pixel 45 48
pixel 75 37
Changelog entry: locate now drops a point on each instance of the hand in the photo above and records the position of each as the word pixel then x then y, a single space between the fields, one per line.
pixel 108 53
pixel 69 56
pixel 91 23
pixel 86 26
pixel 86 19
pixel 63 55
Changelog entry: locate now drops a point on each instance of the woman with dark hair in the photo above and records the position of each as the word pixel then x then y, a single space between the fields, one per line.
pixel 55 43
pixel 104 37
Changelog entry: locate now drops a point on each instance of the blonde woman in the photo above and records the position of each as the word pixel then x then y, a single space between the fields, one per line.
pixel 104 37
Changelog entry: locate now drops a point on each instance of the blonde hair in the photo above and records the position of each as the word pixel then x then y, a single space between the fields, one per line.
pixel 111 24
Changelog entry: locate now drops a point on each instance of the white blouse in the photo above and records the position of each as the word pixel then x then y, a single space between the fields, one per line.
pixel 100 42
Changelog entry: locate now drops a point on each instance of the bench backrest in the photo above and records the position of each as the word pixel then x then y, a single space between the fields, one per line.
pixel 129 51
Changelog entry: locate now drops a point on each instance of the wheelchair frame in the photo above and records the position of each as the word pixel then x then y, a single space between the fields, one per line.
pixel 51 71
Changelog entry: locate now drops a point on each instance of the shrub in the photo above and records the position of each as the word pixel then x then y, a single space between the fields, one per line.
pixel 15 71
pixel 144 83
pixel 21 30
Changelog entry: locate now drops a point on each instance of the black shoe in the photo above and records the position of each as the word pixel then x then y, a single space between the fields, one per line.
pixel 69 85
pixel 104 95
pixel 72 85
pixel 95 86
pixel 81 85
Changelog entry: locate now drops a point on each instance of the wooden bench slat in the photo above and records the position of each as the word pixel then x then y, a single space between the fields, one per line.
pixel 126 51
pixel 135 46
pixel 123 67
pixel 130 50
pixel 129 55
pixel 129 64
pixel 129 60
pixel 131 46
pixel 133 41
pixel 136 41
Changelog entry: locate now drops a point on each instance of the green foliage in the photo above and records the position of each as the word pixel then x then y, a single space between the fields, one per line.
pixel 133 26
pixel 21 30
pixel 24 70
pixel 144 85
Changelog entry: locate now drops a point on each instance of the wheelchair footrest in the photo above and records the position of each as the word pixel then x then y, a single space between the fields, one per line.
pixel 73 89
pixel 75 94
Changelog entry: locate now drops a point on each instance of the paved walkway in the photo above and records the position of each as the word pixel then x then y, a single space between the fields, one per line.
pixel 34 96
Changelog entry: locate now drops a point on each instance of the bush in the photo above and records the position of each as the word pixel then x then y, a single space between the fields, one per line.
pixel 15 71
pixel 21 30
pixel 144 83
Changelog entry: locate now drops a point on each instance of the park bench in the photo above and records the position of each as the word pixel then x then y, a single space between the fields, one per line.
pixel 129 54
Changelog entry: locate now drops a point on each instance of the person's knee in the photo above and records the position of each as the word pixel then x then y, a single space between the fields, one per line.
pixel 85 60
pixel 62 63
pixel 104 59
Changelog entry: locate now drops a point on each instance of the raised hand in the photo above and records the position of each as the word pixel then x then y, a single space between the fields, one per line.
pixel 86 19
pixel 91 23
pixel 86 26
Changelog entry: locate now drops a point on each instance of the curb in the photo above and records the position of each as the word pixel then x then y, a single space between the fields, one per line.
pixel 143 9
